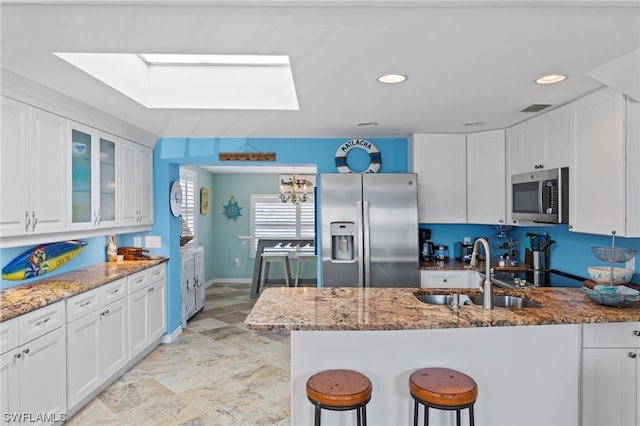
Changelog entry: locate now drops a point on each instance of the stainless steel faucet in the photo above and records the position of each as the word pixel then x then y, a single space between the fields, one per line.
pixel 486 288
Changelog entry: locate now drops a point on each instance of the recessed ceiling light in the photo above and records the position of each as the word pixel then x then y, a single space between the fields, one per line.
pixel 368 124
pixel 550 79
pixel 473 123
pixel 392 78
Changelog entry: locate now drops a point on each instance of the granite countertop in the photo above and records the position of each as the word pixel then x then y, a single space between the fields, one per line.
pixel 344 308
pixel 24 298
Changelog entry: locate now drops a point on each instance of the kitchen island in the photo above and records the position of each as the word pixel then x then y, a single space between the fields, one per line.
pixel 526 361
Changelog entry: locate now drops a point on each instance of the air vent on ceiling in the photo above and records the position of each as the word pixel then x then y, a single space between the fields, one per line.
pixel 536 107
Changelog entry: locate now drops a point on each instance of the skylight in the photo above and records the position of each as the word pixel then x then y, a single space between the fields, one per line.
pixel 260 82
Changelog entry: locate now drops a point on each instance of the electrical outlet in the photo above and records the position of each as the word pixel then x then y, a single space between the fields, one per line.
pixel 631 264
pixel 237 262
pixel 137 241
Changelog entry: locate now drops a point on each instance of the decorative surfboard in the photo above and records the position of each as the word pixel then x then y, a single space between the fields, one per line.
pixel 41 259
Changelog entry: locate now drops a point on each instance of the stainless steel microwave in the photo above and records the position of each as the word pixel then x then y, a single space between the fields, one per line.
pixel 541 196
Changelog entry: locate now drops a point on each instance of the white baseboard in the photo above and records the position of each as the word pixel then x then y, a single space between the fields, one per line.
pixel 229 281
pixel 171 337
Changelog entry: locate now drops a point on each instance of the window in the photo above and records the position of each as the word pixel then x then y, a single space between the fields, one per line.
pixel 188 181
pixel 271 218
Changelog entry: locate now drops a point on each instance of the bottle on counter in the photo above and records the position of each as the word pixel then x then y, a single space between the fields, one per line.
pixel 112 250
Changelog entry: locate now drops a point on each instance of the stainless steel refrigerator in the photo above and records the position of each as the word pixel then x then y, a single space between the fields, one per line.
pixel 369 228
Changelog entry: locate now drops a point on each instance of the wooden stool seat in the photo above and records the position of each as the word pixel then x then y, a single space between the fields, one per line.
pixel 339 390
pixel 442 388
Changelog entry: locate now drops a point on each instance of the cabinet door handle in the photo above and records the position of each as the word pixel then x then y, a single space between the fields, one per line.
pixel 35 220
pixel 633 355
pixel 636 333
pixel 43 321
pixel 444 280
pixel 105 313
pixel 26 351
pixel 18 355
pixel 117 290
pixel 27 220
pixel 500 221
pixel 87 303
pixel 151 289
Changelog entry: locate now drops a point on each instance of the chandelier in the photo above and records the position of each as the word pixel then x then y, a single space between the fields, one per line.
pixel 294 188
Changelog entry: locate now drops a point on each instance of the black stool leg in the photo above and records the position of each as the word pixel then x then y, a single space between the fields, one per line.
pixel 426 415
pixel 358 417
pixel 316 418
pixel 472 421
pixel 415 413
pixel 364 415
pixel 458 418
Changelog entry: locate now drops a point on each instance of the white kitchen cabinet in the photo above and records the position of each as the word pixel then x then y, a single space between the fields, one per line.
pixel 135 186
pixel 33 171
pixel 97 339
pixel 604 156
pixel 198 261
pixel 147 317
pixel 440 162
pixel 33 374
pixel 541 142
pixel 193 282
pixel 486 189
pixel 448 279
pixel 611 374
pixel 93 178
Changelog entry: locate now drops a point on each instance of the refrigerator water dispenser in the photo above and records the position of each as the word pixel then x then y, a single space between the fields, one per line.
pixel 342 234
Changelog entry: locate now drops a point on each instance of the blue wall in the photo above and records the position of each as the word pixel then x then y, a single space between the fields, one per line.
pixel 571 253
pixel 170 153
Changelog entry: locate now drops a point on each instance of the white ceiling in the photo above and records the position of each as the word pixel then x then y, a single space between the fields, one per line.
pixel 467 61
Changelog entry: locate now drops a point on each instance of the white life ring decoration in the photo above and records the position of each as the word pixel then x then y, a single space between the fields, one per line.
pixel 375 159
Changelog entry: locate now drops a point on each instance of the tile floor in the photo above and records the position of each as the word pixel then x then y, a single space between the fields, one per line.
pixel 216 373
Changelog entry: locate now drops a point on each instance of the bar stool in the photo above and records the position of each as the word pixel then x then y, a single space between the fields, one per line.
pixel 267 258
pixel 339 390
pixel 302 257
pixel 442 388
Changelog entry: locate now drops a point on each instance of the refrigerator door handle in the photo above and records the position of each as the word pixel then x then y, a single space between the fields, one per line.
pixel 366 253
pixel 358 244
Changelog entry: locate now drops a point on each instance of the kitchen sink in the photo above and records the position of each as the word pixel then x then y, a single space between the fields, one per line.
pixel 507 302
pixel 499 301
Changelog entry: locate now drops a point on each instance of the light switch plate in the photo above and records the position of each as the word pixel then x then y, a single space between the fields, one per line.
pixel 153 242
pixel 137 241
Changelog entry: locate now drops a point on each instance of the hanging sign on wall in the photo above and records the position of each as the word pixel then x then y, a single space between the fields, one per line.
pixel 232 209
pixel 375 159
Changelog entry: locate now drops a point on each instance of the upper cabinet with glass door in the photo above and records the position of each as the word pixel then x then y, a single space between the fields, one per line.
pixel 93 178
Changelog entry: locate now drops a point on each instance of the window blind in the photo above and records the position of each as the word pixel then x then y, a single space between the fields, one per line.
pixel 188 181
pixel 271 218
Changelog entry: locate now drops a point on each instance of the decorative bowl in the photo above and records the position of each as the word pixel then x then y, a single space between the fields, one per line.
pixel 602 274
pixel 609 254
pixel 610 299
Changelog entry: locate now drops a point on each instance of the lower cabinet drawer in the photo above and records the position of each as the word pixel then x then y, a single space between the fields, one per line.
pixel 39 322
pixel 444 279
pixel 9 335
pixel 611 335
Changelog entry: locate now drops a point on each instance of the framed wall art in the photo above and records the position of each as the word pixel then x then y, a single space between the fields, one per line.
pixel 204 201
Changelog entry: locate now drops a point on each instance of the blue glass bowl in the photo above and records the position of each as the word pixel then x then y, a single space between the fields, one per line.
pixel 610 299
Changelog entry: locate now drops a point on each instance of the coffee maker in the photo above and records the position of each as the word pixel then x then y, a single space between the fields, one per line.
pixel 426 248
